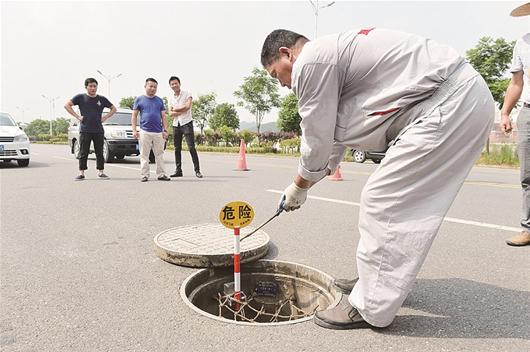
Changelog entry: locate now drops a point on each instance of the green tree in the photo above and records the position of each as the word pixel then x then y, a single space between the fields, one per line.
pixel 38 126
pixel 247 136
pixel 227 134
pixel 225 114
pixel 127 102
pixel 491 57
pixel 60 125
pixel 258 94
pixel 288 117
pixel 202 109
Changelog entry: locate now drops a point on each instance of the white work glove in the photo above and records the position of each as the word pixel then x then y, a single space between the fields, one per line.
pixel 294 197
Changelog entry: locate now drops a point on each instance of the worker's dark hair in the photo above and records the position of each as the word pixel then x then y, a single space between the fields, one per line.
pixel 172 78
pixel 151 80
pixel 90 80
pixel 274 41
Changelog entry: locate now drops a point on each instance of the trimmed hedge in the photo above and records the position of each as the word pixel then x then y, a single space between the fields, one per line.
pixel 250 150
pixel 500 154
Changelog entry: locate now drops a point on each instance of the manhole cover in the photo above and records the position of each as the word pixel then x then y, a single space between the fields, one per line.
pixel 276 293
pixel 207 245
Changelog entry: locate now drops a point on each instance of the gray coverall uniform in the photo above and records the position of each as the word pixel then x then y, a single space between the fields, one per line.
pixel 365 89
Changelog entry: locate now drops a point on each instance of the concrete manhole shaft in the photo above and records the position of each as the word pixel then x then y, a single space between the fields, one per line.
pixel 275 293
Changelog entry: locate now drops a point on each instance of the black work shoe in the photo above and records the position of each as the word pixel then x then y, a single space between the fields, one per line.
pixel 79 178
pixel 198 174
pixel 164 178
pixel 176 174
pixel 103 176
pixel 341 317
pixel 345 285
pixel 144 179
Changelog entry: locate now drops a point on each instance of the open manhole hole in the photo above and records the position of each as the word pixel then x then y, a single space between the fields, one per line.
pixel 208 245
pixel 275 293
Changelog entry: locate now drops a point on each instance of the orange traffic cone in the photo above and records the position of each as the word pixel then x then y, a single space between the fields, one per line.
pixel 242 161
pixel 337 176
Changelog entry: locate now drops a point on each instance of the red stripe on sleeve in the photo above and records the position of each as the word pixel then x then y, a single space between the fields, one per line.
pixel 366 31
pixel 379 113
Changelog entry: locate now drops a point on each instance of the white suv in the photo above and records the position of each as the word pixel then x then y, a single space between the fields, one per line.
pixel 14 143
pixel 119 140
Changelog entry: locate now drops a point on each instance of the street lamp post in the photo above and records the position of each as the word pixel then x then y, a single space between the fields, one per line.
pixel 108 78
pixel 316 7
pixel 52 110
pixel 23 110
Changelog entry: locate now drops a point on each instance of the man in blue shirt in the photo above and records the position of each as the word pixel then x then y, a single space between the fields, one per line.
pixel 91 129
pixel 153 131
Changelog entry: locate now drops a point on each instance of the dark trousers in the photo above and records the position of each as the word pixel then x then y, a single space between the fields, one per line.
pixel 187 131
pixel 84 149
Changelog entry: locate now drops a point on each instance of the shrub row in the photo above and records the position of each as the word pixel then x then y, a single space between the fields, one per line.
pixel 500 154
pixel 60 138
pixel 226 137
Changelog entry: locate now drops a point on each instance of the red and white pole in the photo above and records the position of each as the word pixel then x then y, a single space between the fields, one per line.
pixel 237 267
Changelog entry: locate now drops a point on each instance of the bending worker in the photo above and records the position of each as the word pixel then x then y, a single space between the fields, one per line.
pixel 362 89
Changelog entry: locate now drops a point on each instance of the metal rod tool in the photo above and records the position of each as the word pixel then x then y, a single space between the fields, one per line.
pixel 278 212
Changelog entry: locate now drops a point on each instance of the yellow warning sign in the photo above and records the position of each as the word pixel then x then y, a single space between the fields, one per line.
pixel 236 214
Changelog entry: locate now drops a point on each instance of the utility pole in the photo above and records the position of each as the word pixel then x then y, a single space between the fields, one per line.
pixel 316 8
pixel 23 110
pixel 52 110
pixel 108 78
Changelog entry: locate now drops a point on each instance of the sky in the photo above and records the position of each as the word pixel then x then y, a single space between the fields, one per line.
pixel 49 48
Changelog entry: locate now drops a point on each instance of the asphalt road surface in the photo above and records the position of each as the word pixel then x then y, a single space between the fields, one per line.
pixel 79 273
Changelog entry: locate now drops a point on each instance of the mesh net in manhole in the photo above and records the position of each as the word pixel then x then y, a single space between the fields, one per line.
pixel 208 245
pixel 274 292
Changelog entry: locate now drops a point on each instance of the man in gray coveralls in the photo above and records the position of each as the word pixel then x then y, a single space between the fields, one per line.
pixel 362 89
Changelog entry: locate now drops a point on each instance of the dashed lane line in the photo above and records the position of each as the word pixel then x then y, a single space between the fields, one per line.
pixel 363 173
pixel 368 173
pixel 107 164
pixel 447 219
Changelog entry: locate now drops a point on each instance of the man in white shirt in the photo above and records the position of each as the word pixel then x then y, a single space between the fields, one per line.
pixel 519 87
pixel 180 109
pixel 366 89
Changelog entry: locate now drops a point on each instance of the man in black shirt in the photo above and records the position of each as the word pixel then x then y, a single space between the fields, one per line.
pixel 91 129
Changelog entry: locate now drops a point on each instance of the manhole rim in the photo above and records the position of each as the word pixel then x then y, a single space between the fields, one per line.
pixel 182 291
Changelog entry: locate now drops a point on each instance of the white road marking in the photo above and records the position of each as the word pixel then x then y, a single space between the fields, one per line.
pixel 107 164
pixel 448 219
pixel 361 173
pixel 368 173
pixel 493 184
pixel 128 167
pixel 482 224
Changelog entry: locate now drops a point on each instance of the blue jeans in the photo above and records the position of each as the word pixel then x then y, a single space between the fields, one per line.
pixel 523 152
